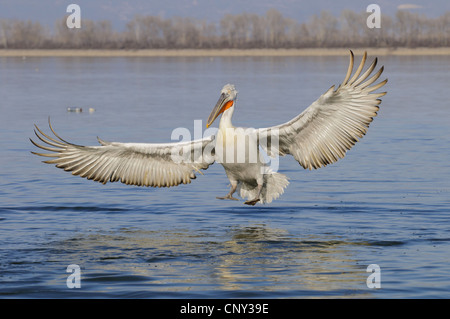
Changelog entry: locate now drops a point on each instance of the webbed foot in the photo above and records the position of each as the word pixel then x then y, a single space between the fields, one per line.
pixel 227 197
pixel 252 202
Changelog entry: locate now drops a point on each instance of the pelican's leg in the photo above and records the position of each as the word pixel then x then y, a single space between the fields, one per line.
pixel 257 199
pixel 230 194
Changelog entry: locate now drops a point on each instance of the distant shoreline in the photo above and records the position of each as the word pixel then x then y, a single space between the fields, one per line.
pixel 219 53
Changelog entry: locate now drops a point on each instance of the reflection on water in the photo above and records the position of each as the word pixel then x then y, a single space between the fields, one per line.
pixel 254 259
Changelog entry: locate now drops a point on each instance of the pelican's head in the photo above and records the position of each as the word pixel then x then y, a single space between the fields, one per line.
pixel 227 100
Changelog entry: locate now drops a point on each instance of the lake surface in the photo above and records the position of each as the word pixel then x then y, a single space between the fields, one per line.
pixel 387 203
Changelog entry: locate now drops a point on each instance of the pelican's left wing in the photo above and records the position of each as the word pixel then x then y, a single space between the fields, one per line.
pixel 141 164
pixel 332 124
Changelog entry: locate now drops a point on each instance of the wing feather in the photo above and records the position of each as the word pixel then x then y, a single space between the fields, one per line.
pixel 138 164
pixel 329 127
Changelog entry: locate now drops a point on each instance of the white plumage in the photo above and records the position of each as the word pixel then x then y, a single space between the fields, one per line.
pixel 319 136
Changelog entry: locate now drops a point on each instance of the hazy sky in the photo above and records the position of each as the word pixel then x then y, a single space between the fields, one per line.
pixel 121 11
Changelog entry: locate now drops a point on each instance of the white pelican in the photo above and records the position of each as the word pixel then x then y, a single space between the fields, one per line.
pixel 319 136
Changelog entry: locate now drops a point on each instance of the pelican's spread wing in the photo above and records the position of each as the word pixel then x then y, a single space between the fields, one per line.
pixel 161 165
pixel 332 124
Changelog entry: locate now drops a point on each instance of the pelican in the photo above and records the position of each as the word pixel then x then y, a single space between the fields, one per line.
pixel 320 135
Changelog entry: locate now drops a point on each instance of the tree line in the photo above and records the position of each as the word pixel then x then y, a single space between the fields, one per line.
pixel 242 31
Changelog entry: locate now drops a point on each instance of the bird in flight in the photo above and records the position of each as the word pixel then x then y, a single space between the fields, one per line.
pixel 318 136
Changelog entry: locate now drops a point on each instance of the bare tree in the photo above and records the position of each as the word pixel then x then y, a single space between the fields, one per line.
pixel 5 31
pixel 276 26
pixel 351 31
pixel 22 34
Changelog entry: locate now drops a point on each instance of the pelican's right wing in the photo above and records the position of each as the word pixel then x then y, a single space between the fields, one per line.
pixel 141 164
pixel 331 125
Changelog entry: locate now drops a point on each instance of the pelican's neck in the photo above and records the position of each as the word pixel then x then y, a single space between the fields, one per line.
pixel 225 120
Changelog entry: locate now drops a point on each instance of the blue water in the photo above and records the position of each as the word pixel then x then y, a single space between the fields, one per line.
pixel 386 203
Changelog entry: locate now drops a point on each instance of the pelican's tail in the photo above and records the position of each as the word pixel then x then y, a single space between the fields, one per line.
pixel 274 185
